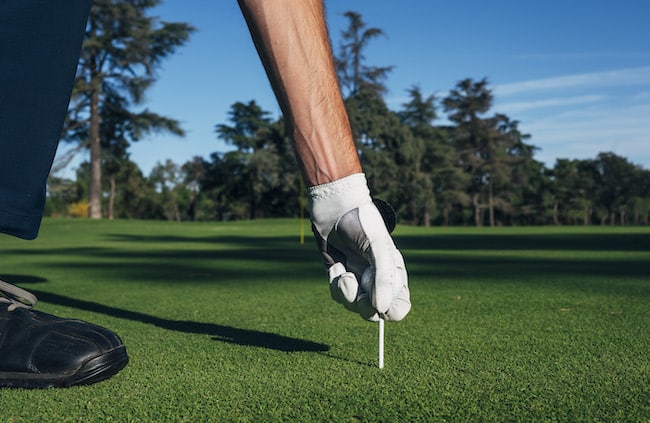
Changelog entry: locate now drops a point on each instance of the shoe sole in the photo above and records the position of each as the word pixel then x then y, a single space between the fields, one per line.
pixel 94 370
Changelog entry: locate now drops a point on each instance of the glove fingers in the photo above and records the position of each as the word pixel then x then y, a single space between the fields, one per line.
pixel 344 287
pixel 359 242
pixel 401 304
pixel 400 307
pixel 363 231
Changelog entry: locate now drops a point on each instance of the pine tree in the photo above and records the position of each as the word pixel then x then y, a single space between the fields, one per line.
pixel 122 50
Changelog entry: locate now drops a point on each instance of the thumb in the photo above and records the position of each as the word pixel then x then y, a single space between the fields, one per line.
pixel 344 287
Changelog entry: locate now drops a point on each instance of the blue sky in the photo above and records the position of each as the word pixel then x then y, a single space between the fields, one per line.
pixel 574 73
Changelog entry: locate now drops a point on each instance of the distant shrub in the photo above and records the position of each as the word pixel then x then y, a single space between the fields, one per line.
pixel 78 209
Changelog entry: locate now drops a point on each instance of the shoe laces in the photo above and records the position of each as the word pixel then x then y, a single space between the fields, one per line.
pixel 16 297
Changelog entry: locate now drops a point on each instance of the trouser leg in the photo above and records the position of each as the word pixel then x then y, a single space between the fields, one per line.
pixel 40 42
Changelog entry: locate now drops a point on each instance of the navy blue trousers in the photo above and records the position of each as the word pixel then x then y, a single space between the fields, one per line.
pixel 40 42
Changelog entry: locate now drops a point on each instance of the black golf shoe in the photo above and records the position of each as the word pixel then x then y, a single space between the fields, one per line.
pixel 38 350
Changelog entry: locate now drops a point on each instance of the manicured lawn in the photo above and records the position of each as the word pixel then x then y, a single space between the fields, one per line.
pixel 233 322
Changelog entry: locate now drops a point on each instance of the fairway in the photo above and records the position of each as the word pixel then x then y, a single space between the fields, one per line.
pixel 233 322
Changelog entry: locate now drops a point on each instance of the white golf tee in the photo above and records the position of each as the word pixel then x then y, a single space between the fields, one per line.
pixel 381 343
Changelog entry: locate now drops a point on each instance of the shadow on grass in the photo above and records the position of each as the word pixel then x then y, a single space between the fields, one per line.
pixel 225 259
pixel 250 259
pixel 527 270
pixel 483 241
pixel 209 259
pixel 552 241
pixel 222 333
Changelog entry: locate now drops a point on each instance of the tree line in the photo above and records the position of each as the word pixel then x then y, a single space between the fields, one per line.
pixel 479 169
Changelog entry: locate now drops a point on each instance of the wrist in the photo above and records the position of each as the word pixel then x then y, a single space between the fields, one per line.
pixel 325 163
pixel 328 202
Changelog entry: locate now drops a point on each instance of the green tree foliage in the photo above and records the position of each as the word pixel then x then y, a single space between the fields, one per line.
pixel 465 105
pixel 573 191
pixel 477 170
pixel 61 192
pixel 259 178
pixel 120 54
pixel 354 73
pixel 425 154
pixel 199 207
pixel 607 189
pixel 620 186
pixel 167 181
pixel 491 151
pixel 137 197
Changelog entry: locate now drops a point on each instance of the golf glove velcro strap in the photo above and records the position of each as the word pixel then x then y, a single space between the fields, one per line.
pixel 353 237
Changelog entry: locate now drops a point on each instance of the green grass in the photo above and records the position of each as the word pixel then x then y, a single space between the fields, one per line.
pixel 233 322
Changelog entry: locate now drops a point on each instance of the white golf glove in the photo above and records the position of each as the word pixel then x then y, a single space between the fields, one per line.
pixel 354 239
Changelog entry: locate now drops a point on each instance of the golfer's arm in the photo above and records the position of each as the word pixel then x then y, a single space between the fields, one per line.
pixel 292 40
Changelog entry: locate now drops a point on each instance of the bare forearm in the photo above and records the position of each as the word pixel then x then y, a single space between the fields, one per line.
pixel 292 40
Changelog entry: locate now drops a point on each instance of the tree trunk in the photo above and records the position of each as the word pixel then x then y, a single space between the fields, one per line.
pixel 111 197
pixel 251 207
pixel 414 212
pixel 427 216
pixel 477 210
pixel 556 220
pixel 191 210
pixel 177 212
pixel 95 186
pixel 491 204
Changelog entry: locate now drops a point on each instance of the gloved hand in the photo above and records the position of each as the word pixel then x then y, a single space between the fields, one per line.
pixel 354 239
